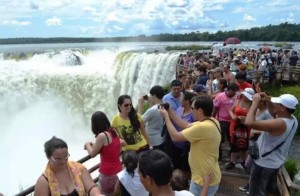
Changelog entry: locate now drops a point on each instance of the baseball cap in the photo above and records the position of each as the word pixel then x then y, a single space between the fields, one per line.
pixel 248 92
pixel 199 88
pixel 287 100
pixel 176 83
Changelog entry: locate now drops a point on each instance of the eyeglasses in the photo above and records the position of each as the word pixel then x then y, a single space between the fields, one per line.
pixel 60 159
pixel 127 105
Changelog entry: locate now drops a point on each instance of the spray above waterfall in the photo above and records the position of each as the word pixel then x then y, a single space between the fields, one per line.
pixel 45 94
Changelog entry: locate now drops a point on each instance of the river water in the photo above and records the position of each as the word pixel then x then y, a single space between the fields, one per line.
pixel 53 89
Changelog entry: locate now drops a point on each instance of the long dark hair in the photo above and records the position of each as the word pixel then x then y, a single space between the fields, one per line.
pixel 100 123
pixel 133 117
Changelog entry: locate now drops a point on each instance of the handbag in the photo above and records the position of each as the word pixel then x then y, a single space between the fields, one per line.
pixel 253 150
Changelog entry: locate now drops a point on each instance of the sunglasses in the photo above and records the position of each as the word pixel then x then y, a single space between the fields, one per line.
pixel 60 159
pixel 127 105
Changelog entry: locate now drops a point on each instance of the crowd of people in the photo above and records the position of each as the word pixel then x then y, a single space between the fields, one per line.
pixel 174 146
pixel 259 64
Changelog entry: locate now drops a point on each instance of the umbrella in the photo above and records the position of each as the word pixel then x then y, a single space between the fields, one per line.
pixel 266 49
pixel 232 40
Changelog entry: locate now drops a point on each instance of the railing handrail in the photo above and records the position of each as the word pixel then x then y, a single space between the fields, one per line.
pixel 82 160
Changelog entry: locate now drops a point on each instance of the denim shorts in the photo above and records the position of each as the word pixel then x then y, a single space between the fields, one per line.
pixel 196 189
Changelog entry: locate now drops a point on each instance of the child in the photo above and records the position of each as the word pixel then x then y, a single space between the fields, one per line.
pixel 129 180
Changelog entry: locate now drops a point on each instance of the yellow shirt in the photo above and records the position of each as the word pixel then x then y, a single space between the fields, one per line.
pixel 134 139
pixel 205 139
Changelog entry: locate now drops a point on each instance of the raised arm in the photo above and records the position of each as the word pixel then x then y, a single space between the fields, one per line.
pixel 175 136
pixel 179 122
pixel 273 126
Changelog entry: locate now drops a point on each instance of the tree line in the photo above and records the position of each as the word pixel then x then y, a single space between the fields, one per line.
pixel 282 32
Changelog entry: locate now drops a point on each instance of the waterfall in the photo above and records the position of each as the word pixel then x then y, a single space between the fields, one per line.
pixel 55 93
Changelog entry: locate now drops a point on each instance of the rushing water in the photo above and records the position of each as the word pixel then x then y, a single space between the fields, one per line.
pixel 55 91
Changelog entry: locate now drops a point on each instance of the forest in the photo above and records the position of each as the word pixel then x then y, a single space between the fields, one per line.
pixel 282 32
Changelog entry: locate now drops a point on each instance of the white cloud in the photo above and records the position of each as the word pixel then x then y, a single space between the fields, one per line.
pixel 54 21
pixel 248 18
pixel 177 3
pixel 15 22
pixel 238 10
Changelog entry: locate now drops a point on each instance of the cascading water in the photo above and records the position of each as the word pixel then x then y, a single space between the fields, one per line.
pixel 55 93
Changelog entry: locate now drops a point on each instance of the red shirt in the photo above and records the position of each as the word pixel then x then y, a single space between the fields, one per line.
pixel 244 85
pixel 110 163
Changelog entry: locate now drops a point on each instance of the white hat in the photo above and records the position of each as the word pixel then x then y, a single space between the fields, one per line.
pixel 287 100
pixel 248 92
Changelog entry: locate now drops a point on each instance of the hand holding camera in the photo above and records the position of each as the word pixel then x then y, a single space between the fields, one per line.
pixel 166 106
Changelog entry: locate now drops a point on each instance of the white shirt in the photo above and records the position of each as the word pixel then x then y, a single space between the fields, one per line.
pixel 132 184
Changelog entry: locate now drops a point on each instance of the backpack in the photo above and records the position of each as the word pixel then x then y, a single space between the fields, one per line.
pixel 240 137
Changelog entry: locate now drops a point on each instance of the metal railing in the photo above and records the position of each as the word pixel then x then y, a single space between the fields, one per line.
pixel 82 160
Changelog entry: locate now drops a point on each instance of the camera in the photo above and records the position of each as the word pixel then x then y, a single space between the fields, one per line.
pixel 164 105
pixel 145 97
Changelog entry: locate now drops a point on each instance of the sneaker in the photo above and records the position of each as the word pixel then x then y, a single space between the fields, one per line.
pixel 229 166
pixel 244 188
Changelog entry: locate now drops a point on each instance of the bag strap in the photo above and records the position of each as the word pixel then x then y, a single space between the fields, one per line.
pixel 214 123
pixel 279 145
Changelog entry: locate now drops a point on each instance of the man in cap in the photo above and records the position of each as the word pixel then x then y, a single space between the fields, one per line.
pixel 273 143
pixel 200 89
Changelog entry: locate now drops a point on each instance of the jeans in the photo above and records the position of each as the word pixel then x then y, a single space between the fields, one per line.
pixel 196 189
pixel 262 180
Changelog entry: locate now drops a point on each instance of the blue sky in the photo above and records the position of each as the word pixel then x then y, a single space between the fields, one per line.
pixel 110 18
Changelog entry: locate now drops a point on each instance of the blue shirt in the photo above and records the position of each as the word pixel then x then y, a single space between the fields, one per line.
pixel 174 103
pixel 202 79
pixel 188 118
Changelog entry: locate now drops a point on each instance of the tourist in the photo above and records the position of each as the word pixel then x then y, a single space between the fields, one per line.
pixel 273 143
pixel 154 122
pixel 241 78
pixel 155 169
pixel 178 151
pixel 264 111
pixel 204 137
pixel 239 133
pixel 218 74
pixel 209 82
pixel 108 145
pixel 61 176
pixel 129 179
pixel 130 126
pixel 222 85
pixel 202 77
pixel 174 97
pixel 222 105
pixel 200 89
pixel 228 75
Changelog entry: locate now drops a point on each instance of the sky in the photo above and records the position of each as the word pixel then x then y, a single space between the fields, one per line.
pixel 111 18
